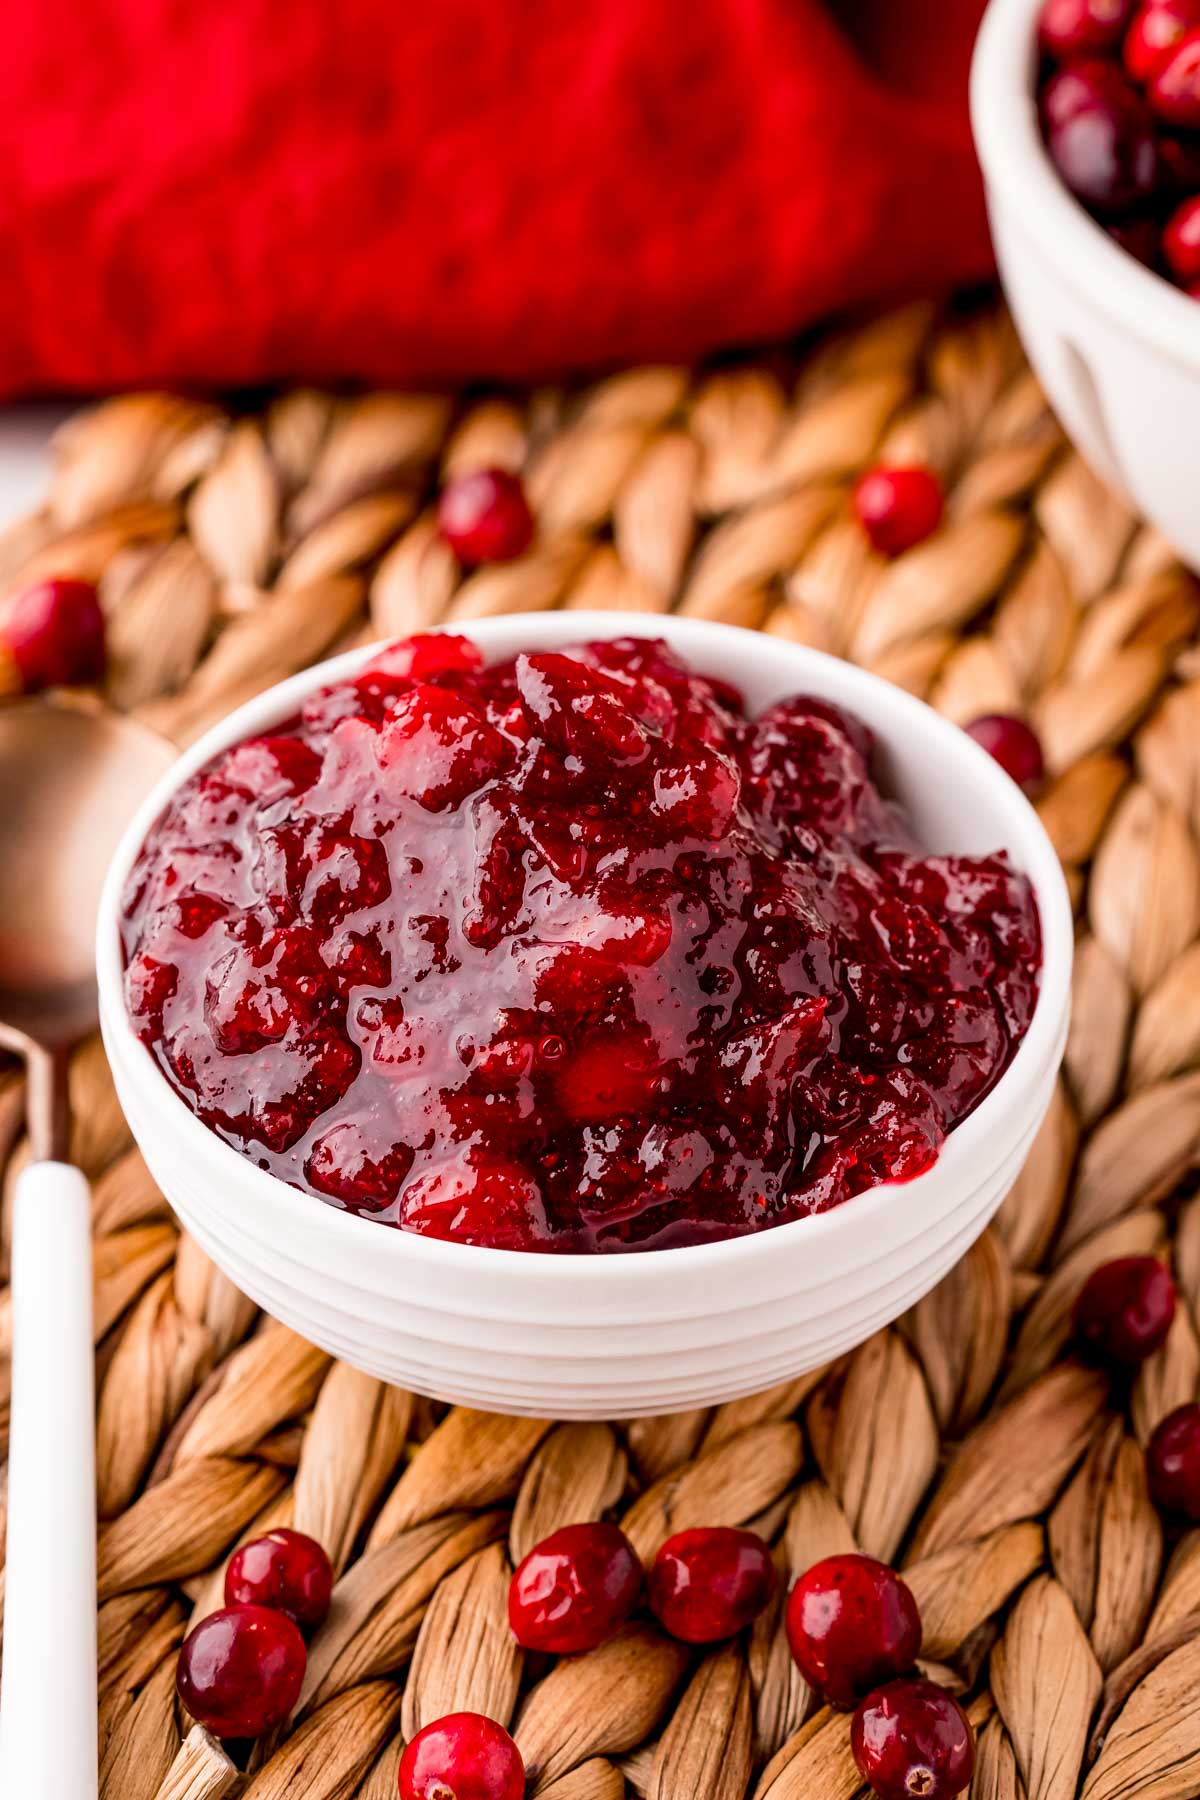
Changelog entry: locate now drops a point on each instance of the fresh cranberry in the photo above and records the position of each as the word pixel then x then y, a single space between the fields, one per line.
pixel 1013 744
pixel 707 1584
pixel 1174 93
pixel 240 1671
pixel 1173 1463
pixel 574 1589
pixel 567 953
pixel 852 1624
pixel 435 748
pixel 485 517
pixel 1158 27
pixel 286 1570
pixel 1082 27
pixel 898 507
pixel 464 1756
pixel 1100 135
pixel 912 1741
pixel 1124 1310
pixel 1181 241
pixel 54 633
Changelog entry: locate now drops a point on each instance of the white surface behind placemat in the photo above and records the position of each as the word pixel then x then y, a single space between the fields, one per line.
pixel 25 433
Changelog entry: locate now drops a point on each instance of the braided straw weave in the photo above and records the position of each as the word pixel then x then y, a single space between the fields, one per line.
pixel 965 1444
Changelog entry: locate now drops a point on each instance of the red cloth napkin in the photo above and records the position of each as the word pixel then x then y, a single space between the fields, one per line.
pixel 252 190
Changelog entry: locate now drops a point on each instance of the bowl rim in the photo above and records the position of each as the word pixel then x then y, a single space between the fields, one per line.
pixel 1018 169
pixel 971 1146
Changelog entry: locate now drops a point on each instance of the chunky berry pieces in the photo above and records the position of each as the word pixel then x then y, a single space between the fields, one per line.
pixel 852 1624
pixel 898 507
pixel 574 1589
pixel 464 1756
pixel 705 1585
pixel 1124 1310
pixel 52 635
pixel 570 954
pixel 483 1201
pixel 912 1741
pixel 240 1671
pixel 1013 744
pixel 485 517
pixel 286 1570
pixel 1173 1463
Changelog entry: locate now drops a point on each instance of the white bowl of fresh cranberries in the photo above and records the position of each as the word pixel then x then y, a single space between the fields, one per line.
pixel 1087 122
pixel 582 1017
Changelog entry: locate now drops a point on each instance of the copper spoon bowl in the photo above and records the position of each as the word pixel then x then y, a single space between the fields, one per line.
pixel 70 779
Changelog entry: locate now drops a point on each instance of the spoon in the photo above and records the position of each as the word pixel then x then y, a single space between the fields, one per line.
pixel 69 782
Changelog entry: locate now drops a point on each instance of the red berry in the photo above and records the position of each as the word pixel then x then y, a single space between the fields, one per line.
pixel 54 632
pixel 897 507
pixel 1157 28
pixel 1181 240
pixel 912 1741
pixel 1124 1310
pixel 485 517
pixel 1173 1463
pixel 1082 27
pixel 574 1589
pixel 1174 93
pixel 1013 745
pixel 462 1757
pixel 240 1671
pixel 286 1570
pixel 852 1624
pixel 706 1584
pixel 1100 135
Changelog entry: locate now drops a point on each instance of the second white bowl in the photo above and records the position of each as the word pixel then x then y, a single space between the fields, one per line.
pixel 652 1331
pixel 1116 347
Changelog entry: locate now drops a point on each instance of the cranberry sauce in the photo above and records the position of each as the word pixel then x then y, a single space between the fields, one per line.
pixel 570 954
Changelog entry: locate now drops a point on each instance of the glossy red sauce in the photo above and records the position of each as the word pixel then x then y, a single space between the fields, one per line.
pixel 569 954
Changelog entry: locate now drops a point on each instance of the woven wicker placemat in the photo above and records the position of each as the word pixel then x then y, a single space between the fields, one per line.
pixel 965 1443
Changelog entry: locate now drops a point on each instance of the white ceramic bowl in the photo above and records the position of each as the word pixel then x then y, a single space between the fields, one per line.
pixel 652 1331
pixel 1116 347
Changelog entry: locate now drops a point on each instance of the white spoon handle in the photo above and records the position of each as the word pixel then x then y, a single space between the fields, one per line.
pixel 48 1697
